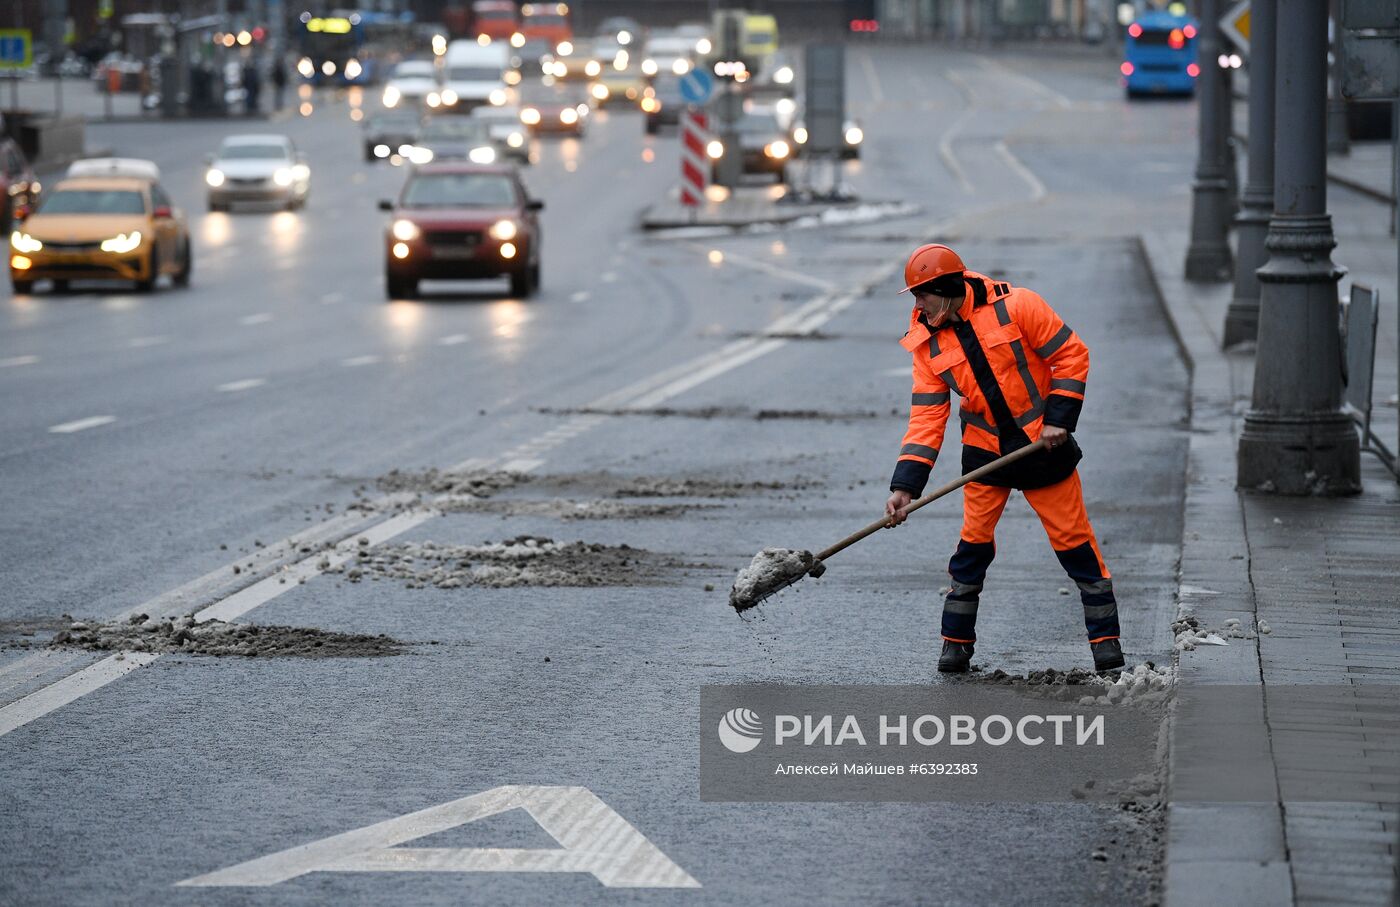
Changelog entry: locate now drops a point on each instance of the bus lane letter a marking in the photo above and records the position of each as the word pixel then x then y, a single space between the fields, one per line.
pixel 593 839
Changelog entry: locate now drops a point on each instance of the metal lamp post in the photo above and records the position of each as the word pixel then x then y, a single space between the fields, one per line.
pixel 1296 438
pixel 1208 258
pixel 1257 200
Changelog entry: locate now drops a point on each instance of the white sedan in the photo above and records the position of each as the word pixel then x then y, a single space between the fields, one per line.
pixel 257 168
pixel 413 82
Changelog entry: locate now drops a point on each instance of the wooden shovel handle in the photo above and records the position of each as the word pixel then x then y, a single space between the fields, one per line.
pixel 932 496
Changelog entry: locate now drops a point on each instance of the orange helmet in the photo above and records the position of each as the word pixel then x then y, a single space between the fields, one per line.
pixel 930 262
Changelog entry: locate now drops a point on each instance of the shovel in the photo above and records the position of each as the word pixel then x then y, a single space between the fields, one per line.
pixel 774 569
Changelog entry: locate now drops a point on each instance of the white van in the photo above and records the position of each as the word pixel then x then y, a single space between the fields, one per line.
pixel 475 74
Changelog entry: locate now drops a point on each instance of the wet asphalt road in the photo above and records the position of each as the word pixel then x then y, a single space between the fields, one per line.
pixel 194 764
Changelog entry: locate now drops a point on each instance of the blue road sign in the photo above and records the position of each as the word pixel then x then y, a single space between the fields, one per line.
pixel 697 86
pixel 15 48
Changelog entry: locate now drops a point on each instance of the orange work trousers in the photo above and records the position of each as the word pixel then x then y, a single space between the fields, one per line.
pixel 1061 511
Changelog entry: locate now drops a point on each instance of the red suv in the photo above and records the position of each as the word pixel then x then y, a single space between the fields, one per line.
pixel 460 221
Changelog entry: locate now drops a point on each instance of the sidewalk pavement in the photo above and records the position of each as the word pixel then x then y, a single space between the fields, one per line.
pixel 1313 583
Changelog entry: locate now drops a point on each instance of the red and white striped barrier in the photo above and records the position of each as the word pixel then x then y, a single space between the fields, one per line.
pixel 695 166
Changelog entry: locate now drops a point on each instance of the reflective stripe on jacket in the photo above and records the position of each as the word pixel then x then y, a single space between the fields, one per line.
pixel 1038 364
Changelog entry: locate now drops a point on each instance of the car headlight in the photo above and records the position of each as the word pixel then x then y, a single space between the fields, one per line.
pixel 529 116
pixel 449 97
pixel 122 243
pixel 592 68
pixel 381 150
pixel 353 69
pixel 301 172
pixel 568 116
pixel 283 177
pixel 392 96
pixel 854 135
pixel 515 140
pixel 799 135
pixel 404 230
pixel 715 149
pixel 649 67
pixel 650 105
pixel 680 67
pixel 23 242
pixel 482 155
pixel 786 106
pixel 517 40
pixel 563 48
pixel 783 76
pixel 777 150
pixel 503 229
pixel 215 177
pixel 497 97
pixel 306 67
pixel 704 46
pixel 433 99
pixel 420 155
pixel 328 67
pixel 600 91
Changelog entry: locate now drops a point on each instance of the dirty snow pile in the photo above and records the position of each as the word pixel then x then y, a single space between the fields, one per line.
pixel 476 484
pixel 522 561
pixel 1190 633
pixel 562 509
pixel 141 633
pixel 771 570
pixel 1144 684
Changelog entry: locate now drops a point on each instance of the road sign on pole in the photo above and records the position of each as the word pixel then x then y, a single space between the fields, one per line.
pixel 1235 25
pixel 16 48
pixel 696 87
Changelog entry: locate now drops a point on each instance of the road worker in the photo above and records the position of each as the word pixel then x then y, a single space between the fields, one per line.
pixel 1019 373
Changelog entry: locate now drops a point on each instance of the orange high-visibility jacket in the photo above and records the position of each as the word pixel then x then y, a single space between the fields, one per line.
pixel 1039 367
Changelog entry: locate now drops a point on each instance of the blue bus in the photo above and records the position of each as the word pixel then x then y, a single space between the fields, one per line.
pixel 1161 55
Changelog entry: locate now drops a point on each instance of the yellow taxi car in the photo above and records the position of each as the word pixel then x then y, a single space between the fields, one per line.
pixel 107 220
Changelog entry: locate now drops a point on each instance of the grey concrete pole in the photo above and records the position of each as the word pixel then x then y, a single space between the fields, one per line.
pixel 1296 438
pixel 1257 200
pixel 1227 127
pixel 1208 258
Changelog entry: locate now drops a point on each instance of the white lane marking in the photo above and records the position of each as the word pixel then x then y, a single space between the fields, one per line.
pixel 1187 589
pixel 259 318
pixel 1035 85
pixel 580 296
pixel 245 384
pixel 16 361
pixel 755 264
pixel 1024 172
pixel 454 339
pixel 608 277
pixel 332 298
pixel 35 664
pixel 875 87
pixel 58 694
pixel 355 361
pixel 945 144
pixel 67 428
pixel 265 590
pixel 592 837
pixel 141 342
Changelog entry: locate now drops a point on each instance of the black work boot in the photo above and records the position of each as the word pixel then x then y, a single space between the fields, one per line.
pixel 955 658
pixel 1108 656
